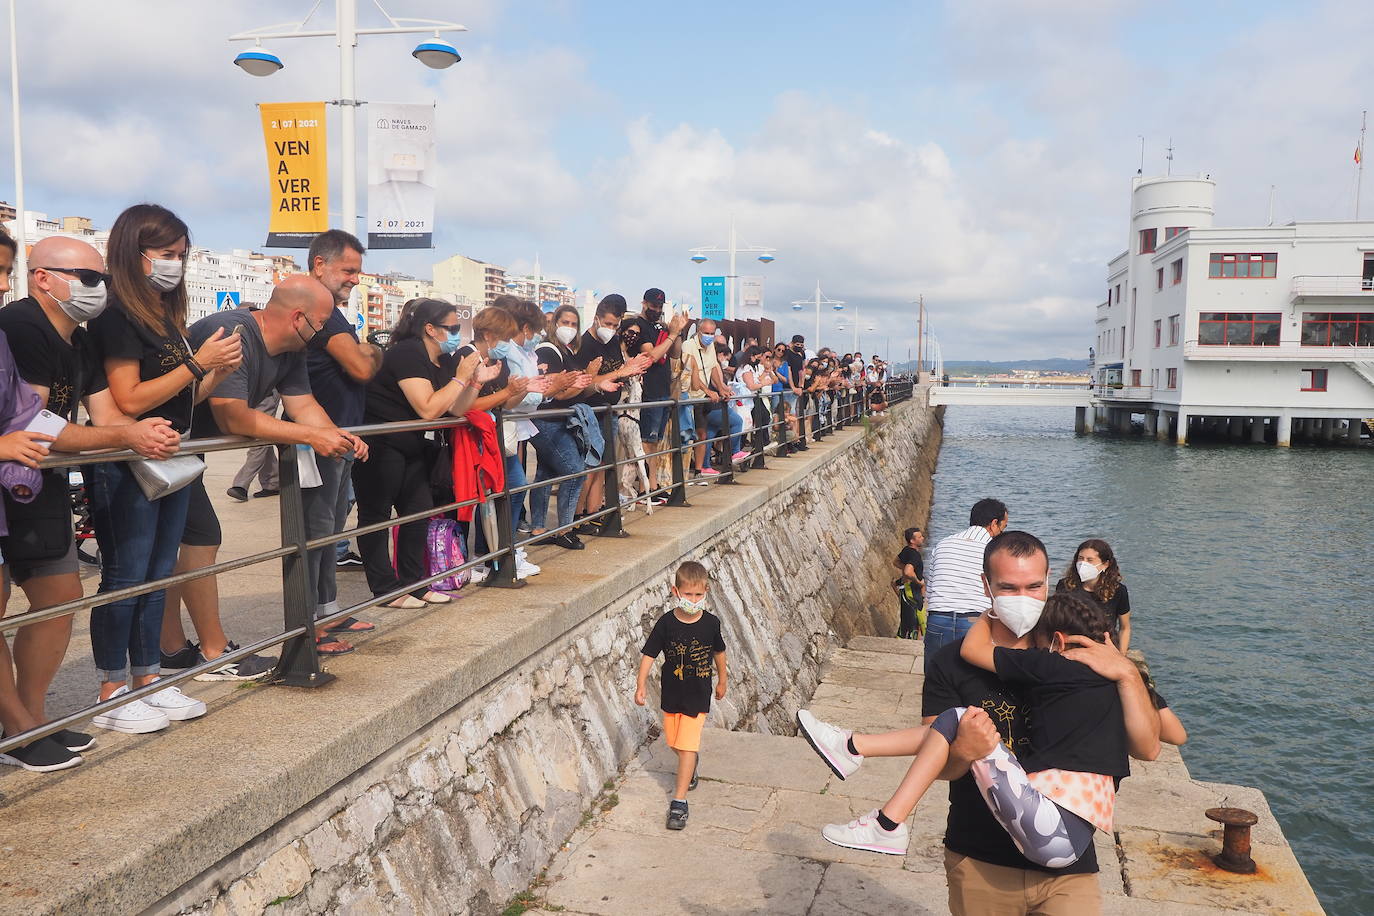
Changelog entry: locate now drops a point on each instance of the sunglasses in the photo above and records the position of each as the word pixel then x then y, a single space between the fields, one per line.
pixel 451 328
pixel 87 276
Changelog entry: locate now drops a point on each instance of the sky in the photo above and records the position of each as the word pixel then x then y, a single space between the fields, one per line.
pixel 977 153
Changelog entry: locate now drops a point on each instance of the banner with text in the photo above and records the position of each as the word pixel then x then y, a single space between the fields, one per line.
pixel 750 297
pixel 713 298
pixel 297 171
pixel 400 175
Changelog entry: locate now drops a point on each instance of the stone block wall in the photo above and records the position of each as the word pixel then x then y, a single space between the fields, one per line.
pixel 466 813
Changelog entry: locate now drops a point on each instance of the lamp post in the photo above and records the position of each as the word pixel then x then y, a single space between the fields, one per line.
pixel 21 255
pixel 733 250
pixel 817 301
pixel 434 53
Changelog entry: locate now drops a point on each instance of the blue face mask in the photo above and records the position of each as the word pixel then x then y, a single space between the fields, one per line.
pixel 451 345
pixel 499 350
pixel 708 338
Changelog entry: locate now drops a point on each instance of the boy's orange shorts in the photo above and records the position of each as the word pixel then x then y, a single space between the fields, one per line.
pixel 683 732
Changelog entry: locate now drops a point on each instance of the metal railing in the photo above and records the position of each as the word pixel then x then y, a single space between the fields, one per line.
pixel 299 664
pixel 1125 392
pixel 1289 350
pixel 1315 285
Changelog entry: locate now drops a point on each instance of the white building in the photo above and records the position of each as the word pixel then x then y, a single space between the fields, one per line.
pixel 1266 333
pixel 217 279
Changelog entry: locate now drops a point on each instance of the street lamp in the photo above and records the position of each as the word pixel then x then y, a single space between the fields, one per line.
pixel 21 255
pixel 818 300
pixel 733 249
pixel 434 53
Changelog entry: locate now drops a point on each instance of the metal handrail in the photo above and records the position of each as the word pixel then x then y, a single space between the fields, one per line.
pixel 299 664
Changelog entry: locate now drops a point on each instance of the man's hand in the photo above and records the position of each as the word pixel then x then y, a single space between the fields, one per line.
pixel 610 386
pixel 333 443
pixel 712 395
pixel 639 364
pixel 152 438
pixel 220 352
pixel 641 696
pixel 1103 658
pixel 976 737
pixel 25 446
pixel 677 324
pixel 594 367
pixel 360 449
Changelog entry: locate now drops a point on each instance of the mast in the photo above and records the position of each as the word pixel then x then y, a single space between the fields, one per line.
pixel 1359 162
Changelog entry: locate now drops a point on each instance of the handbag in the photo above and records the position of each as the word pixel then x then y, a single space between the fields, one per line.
pixel 156 478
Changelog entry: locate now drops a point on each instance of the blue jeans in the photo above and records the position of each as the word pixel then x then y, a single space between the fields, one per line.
pixel 944 628
pixel 652 422
pixel 326 510
pixel 558 455
pixel 515 477
pixel 687 423
pixel 138 541
pixel 341 549
pixel 713 428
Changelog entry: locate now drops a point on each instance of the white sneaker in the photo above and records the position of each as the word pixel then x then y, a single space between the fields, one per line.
pixel 176 705
pixel 524 569
pixel 865 833
pixel 136 718
pixel 831 743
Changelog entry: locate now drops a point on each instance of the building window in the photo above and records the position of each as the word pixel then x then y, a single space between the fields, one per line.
pixel 1159 331
pixel 1338 329
pixel 1314 380
pixel 1123 341
pixel 1171 232
pixel 1135 378
pixel 1243 329
pixel 1159 278
pixel 1244 266
pixel 1147 240
pixel 1177 268
pixel 1171 378
pixel 1117 294
pixel 1174 324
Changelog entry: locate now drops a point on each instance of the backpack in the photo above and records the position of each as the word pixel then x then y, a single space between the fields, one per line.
pixel 447 550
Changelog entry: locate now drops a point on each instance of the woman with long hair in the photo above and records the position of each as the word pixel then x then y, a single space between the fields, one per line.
pixel 1095 570
pixel 412 384
pixel 152 372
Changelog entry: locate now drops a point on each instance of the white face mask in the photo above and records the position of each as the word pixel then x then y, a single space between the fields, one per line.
pixel 166 274
pixel 605 334
pixel 1086 571
pixel 691 608
pixel 83 302
pixel 1018 613
pixel 565 334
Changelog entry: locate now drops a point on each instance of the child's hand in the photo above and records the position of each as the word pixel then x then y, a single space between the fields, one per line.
pixel 720 691
pixel 640 697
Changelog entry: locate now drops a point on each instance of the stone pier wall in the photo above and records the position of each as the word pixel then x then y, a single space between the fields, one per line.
pixel 466 812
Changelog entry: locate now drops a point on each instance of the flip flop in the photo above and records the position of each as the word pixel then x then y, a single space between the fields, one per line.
pixel 351 625
pixel 332 646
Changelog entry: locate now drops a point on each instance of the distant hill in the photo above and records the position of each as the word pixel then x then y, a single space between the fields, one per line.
pixel 987 367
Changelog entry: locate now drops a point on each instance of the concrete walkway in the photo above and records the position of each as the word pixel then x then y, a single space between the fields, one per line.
pixel 753 842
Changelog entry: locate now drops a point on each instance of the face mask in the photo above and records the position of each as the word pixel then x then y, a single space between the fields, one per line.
pixel 83 302
pixel 452 343
pixel 1086 571
pixel 166 274
pixel 605 334
pixel 499 350
pixel 708 339
pixel 691 608
pixel 1018 613
pixel 538 338
pixel 565 335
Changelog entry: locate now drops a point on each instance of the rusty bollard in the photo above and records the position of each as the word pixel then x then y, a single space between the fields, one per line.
pixel 1235 839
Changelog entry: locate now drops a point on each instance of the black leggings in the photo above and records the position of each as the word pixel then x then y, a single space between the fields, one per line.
pixel 391 478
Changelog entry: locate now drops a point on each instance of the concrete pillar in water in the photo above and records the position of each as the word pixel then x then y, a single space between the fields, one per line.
pixel 1152 423
pixel 1090 419
pixel 1181 434
pixel 1080 420
pixel 1162 430
pixel 1329 430
pixel 1257 429
pixel 1234 428
pixel 1352 432
pixel 1123 421
pixel 1283 430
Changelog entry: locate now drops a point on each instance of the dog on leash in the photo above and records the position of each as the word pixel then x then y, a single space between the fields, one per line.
pixel 635 474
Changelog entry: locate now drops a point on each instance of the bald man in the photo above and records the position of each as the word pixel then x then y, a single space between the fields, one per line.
pixel 274 342
pixel 67 285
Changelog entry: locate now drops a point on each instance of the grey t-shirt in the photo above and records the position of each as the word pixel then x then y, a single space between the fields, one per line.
pixel 256 377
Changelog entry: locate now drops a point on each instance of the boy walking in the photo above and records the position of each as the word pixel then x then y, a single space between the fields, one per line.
pixel 689 639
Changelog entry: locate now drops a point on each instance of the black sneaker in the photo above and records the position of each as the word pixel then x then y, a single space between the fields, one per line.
pixel 42 756
pixel 74 741
pixel 567 540
pixel 348 560
pixel 266 491
pixel 677 815
pixel 238 493
pixel 182 658
pixel 248 668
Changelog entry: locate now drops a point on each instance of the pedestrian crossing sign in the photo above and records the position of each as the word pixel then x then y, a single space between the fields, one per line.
pixel 227 299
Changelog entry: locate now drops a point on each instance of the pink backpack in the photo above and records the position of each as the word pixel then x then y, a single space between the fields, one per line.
pixel 444 549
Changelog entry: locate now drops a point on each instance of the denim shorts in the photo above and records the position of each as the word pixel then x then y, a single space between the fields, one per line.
pixel 652 422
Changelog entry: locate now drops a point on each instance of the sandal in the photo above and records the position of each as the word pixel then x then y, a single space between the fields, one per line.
pixel 433 597
pixel 326 646
pixel 406 603
pixel 351 625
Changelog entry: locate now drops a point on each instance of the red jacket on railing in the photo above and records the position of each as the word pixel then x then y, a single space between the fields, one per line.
pixel 479 466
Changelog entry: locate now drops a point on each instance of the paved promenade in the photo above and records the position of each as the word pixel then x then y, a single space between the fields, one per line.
pixel 753 842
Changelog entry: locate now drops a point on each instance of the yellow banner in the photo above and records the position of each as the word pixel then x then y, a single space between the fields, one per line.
pixel 297 172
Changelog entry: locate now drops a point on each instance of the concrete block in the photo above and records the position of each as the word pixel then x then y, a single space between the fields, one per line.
pixel 747 759
pixel 876 661
pixel 860 890
pixel 1171 805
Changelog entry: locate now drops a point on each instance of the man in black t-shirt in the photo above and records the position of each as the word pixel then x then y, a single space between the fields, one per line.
pixel 660 344
pixel 910 584
pixel 795 394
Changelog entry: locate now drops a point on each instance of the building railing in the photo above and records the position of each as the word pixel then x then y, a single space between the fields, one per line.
pixel 1291 351
pixel 1125 392
pixel 1316 285
pixel 299 664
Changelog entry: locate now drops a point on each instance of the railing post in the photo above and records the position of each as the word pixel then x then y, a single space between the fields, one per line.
pixel 728 474
pixel 503 570
pixel 677 497
pixel 611 524
pixel 300 663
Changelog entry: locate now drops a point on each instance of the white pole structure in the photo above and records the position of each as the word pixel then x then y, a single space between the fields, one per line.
pixel 734 249
pixel 1359 174
pixel 434 54
pixel 856 327
pixel 21 256
pixel 818 300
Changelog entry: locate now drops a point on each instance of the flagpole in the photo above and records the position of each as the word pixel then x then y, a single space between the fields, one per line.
pixel 1359 160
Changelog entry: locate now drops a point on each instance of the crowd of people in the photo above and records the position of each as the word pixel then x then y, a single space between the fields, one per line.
pixel 100 355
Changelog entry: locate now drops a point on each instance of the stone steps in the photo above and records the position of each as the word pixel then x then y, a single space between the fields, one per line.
pixel 753 842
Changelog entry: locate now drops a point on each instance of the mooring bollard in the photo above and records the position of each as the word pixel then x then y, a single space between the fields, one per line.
pixel 1235 839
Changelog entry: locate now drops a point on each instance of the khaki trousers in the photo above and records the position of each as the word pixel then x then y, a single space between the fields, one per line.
pixel 979 889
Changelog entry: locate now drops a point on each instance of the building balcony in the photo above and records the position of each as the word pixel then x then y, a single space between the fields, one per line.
pixel 1319 287
pixel 1125 392
pixel 1290 351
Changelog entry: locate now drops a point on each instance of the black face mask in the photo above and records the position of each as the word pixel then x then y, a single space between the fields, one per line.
pixel 653 314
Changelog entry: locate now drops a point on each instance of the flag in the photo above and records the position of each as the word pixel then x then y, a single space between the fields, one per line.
pixel 1358 157
pixel 401 175
pixel 294 133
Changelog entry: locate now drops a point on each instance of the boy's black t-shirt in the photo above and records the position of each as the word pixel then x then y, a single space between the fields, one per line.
pixel 1078 723
pixel 70 371
pixel 913 556
pixel 118 336
pixel 971 830
pixel 689 660
pixel 612 358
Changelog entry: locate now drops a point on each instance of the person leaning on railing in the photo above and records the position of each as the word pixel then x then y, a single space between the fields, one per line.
pixel 414 383
pixel 554 443
pixel 519 358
